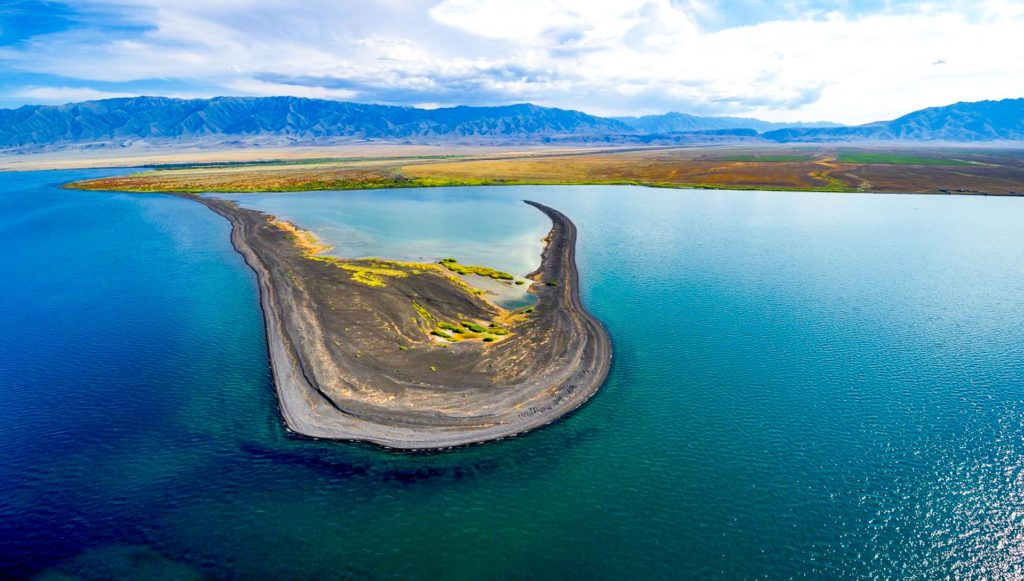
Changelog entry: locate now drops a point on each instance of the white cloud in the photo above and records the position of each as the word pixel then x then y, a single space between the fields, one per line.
pixel 66 94
pixel 626 57
pixel 254 87
pixel 63 94
pixel 573 23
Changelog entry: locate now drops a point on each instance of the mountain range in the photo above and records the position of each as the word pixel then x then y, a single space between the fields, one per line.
pixel 262 120
pixel 119 121
pixel 675 122
pixel 979 121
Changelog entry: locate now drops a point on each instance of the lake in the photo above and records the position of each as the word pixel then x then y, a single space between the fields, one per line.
pixel 804 385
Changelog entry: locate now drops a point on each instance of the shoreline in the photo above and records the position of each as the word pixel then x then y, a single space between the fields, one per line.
pixel 562 356
pixel 86 185
pixel 822 168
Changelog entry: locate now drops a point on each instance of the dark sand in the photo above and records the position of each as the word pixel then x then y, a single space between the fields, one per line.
pixel 336 345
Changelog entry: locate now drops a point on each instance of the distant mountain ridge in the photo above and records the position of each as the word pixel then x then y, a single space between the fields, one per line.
pixel 163 119
pixel 674 121
pixel 262 120
pixel 960 122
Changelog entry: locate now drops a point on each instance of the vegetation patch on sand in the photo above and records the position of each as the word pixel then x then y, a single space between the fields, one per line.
pixel 370 271
pixel 374 272
pixel 304 239
pixel 829 181
pixel 470 330
pixel 454 266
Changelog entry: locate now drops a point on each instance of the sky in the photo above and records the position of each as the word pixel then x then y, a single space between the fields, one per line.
pixel 848 61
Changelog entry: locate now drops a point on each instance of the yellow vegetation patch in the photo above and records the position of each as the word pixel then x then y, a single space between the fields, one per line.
pixel 370 272
pixel 444 332
pixel 470 330
pixel 304 239
pixel 423 313
pixel 371 275
pixel 454 266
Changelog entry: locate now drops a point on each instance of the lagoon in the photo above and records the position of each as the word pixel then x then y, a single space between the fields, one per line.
pixel 805 385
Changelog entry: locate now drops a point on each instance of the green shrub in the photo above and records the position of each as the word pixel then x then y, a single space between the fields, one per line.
pixel 452 265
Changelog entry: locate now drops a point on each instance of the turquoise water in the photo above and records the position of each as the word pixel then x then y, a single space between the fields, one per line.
pixel 476 228
pixel 499 232
pixel 804 386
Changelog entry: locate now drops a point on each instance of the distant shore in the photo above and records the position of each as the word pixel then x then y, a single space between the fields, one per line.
pixel 356 361
pixel 831 168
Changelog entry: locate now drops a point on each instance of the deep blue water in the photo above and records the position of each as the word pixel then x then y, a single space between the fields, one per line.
pixel 804 386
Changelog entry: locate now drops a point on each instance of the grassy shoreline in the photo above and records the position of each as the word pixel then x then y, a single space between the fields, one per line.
pixel 85 185
pixel 101 185
pixel 827 169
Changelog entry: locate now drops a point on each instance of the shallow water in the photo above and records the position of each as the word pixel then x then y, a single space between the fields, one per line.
pixel 472 226
pixel 804 385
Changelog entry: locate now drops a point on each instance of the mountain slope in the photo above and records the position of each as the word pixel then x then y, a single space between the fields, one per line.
pixel 157 118
pixel 963 122
pixel 285 120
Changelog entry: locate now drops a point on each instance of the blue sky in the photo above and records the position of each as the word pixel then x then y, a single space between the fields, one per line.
pixel 849 61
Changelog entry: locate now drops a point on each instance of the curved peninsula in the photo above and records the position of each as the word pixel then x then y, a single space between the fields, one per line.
pixel 407 355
